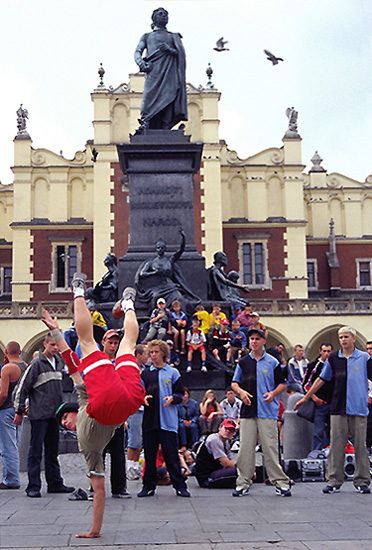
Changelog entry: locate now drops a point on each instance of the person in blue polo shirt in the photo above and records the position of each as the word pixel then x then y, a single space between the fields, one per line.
pixel 164 390
pixel 258 380
pixel 350 370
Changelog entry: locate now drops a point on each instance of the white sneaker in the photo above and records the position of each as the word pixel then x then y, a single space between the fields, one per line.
pixel 188 369
pixel 204 369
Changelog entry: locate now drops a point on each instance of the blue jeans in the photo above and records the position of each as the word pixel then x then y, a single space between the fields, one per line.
pixel 192 430
pixel 134 423
pixel 45 431
pixel 321 426
pixel 10 436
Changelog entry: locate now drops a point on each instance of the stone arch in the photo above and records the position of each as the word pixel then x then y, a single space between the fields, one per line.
pixel 120 123
pixel 193 126
pixel 329 334
pixel 274 337
pixel 40 198
pixel 336 212
pixel 367 216
pixel 34 344
pixel 77 201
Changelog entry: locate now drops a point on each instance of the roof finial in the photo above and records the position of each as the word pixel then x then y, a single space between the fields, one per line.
pixel 101 73
pixel 209 72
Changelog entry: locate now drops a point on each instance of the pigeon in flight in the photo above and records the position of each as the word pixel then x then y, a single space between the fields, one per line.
pixel 271 57
pixel 221 45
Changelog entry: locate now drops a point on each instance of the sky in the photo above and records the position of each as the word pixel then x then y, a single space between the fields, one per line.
pixel 51 51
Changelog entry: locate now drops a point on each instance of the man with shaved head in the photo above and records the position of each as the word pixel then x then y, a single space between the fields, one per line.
pixel 10 434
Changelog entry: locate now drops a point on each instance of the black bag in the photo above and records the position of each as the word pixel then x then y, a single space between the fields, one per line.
pixel 307 410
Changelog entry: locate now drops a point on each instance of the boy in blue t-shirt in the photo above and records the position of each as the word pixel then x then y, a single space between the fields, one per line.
pixel 178 321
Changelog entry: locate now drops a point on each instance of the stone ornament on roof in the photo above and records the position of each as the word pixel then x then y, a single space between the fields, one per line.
pixel 22 115
pixel 292 132
pixel 317 163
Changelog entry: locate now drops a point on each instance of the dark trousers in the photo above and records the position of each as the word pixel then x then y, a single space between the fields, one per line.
pixel 191 431
pixel 45 432
pixel 224 478
pixel 321 434
pixel 169 446
pixel 118 476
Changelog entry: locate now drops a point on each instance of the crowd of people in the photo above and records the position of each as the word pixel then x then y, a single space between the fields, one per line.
pixel 133 392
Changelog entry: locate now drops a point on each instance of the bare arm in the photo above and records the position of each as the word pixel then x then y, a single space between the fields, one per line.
pixel 269 396
pixel 4 384
pixel 98 485
pixel 227 462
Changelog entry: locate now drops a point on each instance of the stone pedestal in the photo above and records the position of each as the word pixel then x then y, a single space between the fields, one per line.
pixel 160 165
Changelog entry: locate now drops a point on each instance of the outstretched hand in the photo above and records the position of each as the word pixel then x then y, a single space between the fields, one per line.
pixel 49 321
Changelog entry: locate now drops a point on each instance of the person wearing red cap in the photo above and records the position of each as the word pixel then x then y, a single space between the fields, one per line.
pixel 214 467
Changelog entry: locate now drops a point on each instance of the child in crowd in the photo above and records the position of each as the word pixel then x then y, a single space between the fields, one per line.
pixel 256 322
pixel 159 322
pixel 237 309
pixel 178 321
pixel 238 341
pixel 202 314
pixel 221 347
pixel 195 340
pixel 174 360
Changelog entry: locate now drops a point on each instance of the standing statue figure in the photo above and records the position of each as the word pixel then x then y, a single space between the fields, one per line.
pixel 221 287
pixel 164 101
pixel 292 115
pixel 161 277
pixel 106 290
pixel 22 114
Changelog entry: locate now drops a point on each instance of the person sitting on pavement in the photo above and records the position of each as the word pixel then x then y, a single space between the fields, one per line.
pixel 107 395
pixel 196 342
pixel 214 468
pixel 211 415
pixel 188 414
pixel 231 405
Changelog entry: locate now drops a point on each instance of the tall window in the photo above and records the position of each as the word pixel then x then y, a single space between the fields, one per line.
pixel 66 259
pixel 253 263
pixel 312 279
pixel 364 273
pixel 5 280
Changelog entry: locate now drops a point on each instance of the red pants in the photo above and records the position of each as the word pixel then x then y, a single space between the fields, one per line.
pixel 114 391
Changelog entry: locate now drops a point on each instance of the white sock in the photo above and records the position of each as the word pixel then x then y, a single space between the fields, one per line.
pixel 127 304
pixel 79 292
pixel 130 464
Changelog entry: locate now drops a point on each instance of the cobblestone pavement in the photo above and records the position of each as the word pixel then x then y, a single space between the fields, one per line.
pixel 211 519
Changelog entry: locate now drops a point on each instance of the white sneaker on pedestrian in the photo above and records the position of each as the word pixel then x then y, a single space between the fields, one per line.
pixel 188 369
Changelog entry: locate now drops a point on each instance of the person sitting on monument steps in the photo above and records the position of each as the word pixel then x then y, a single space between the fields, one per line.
pixel 162 277
pixel 159 322
pixel 350 369
pixel 211 414
pixel 196 342
pixel 107 394
pixel 178 321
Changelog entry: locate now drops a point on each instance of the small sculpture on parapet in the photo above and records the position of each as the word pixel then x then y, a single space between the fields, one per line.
pixel 292 131
pixel 22 115
pixel 164 101
pixel 222 287
pixel 106 290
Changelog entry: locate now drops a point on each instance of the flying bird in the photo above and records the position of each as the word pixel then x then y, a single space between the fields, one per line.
pixel 221 45
pixel 271 57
